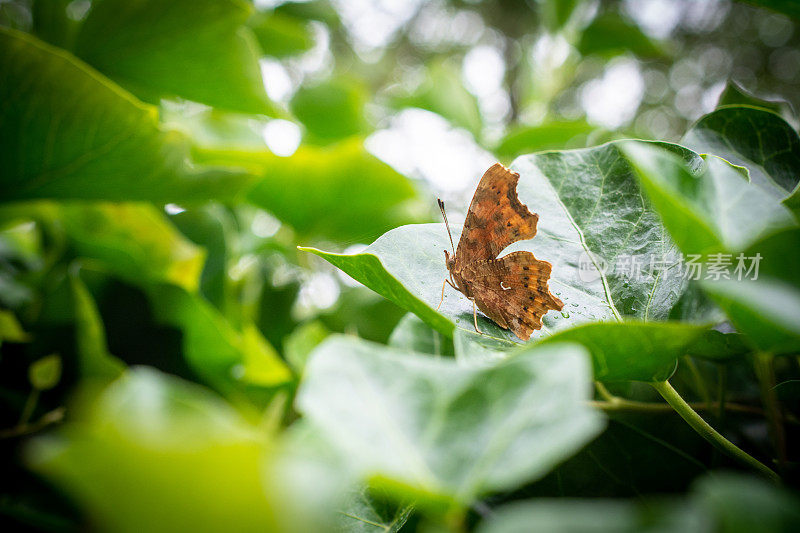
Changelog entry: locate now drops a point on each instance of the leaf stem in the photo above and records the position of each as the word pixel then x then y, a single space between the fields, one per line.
pixel 707 432
pixel 765 372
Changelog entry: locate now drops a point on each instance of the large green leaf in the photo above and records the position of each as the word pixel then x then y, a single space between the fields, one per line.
pixel 200 50
pixel 590 211
pixel 719 211
pixel 621 351
pixel 445 431
pixel 368 511
pixel 713 210
pixel 754 138
pixel 632 351
pixel 153 453
pixel 340 191
pixel 67 132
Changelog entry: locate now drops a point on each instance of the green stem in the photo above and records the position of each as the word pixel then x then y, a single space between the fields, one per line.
pixel 699 382
pixel 762 363
pixel 706 431
pixel 28 408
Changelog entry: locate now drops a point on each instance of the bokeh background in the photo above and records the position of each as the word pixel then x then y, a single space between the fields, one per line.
pixel 355 115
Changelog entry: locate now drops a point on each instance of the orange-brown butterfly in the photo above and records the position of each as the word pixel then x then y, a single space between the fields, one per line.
pixel 511 290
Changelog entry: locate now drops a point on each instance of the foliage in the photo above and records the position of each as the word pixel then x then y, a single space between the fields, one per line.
pixel 196 334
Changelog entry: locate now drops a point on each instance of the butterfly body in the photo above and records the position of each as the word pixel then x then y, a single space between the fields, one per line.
pixel 512 290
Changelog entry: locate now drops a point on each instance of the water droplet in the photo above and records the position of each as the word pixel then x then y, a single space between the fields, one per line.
pixel 574 305
pixel 564 314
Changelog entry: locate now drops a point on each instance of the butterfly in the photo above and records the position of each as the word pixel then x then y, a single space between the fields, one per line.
pixel 511 290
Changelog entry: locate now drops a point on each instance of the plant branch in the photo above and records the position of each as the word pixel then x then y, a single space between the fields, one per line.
pixel 763 365
pixel 707 432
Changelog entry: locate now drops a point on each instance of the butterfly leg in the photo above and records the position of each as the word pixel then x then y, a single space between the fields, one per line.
pixel 475 315
pixel 446 282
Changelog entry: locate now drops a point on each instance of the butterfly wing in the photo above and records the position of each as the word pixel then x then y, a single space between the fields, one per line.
pixel 496 218
pixel 513 291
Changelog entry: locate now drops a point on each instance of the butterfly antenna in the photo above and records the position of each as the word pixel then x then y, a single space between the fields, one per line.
pixel 447 224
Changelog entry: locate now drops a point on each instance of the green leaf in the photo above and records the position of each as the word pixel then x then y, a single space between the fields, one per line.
pixel 45 373
pixel 718 346
pixel 229 359
pixel 788 7
pixel 299 344
pixel 10 328
pixel 154 453
pixel 340 191
pixel 590 210
pixel 414 335
pixel 281 35
pixel 443 93
pixel 445 432
pixel 366 513
pixel 714 209
pixel 199 50
pixel 767 311
pixel 735 95
pixel 51 23
pixel 612 34
pixel 754 138
pixel 331 110
pixel 549 136
pixel 134 241
pixel 632 351
pixel 94 359
pixel 73 134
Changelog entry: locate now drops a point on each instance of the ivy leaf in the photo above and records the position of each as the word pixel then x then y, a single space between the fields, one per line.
pixel 591 211
pixel 366 512
pixel 611 34
pixel 715 209
pixel 104 145
pixel 199 50
pixel 435 428
pixel 754 138
pixel 414 335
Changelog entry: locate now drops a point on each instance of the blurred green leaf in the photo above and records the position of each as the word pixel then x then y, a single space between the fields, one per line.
pixel 549 136
pixel 94 359
pixel 788 7
pixel 718 346
pixel 712 210
pixel 340 191
pixel 280 34
pixel 443 93
pixel 51 23
pixel 104 145
pixel 414 335
pixel 726 502
pixel 200 50
pixel 612 34
pixel 450 433
pixel 590 210
pixel 232 361
pixel 45 373
pixel 154 453
pixel 754 138
pixel 134 241
pixel 10 328
pixel 331 110
pixel 301 342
